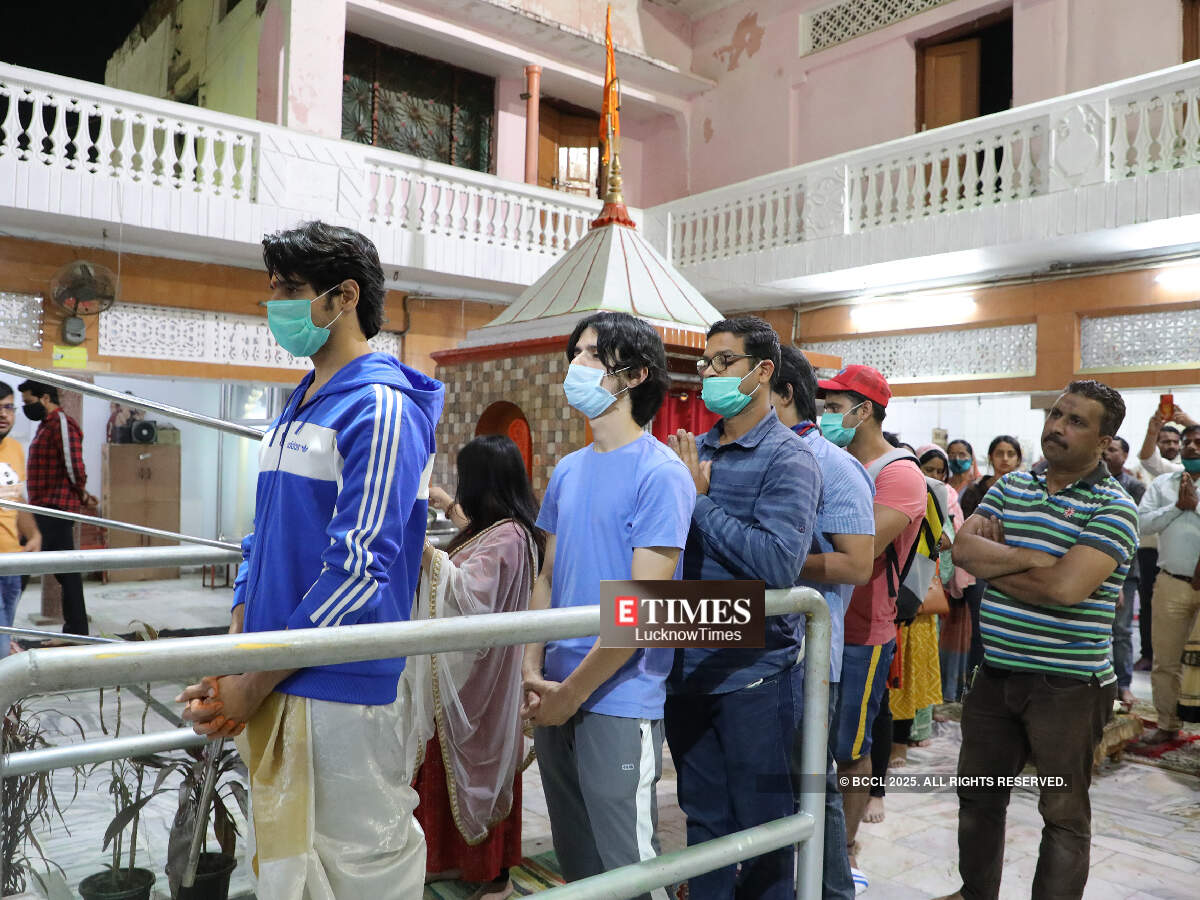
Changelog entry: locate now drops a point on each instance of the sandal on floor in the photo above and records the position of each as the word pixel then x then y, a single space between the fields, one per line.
pixel 860 880
pixel 493 891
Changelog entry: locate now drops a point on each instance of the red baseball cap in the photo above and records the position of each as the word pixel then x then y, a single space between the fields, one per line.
pixel 862 380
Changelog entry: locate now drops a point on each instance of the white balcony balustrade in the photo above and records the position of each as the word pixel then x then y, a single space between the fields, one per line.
pixel 1112 157
pixel 77 158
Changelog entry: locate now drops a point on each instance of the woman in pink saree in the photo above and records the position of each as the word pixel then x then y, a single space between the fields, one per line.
pixel 466 704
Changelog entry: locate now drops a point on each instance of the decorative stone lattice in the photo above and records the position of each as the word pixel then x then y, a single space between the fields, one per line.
pixel 844 21
pixel 534 385
pixel 189 335
pixel 1005 351
pixel 20 321
pixel 1140 340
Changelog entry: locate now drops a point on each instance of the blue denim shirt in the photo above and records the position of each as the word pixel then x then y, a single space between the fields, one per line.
pixel 756 522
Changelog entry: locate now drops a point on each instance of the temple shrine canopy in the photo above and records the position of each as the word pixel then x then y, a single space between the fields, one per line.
pixel 612 268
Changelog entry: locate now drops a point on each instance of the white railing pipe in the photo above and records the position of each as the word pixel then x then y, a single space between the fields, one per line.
pixel 90 390
pixel 52 562
pixel 118 525
pixel 41 671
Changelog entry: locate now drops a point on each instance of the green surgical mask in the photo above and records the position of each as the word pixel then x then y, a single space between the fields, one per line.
pixel 833 429
pixel 292 326
pixel 723 396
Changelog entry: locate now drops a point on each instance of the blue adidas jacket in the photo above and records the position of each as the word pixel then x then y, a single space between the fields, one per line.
pixel 340 516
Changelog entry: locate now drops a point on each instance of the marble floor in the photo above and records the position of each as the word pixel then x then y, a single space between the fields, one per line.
pixel 1146 821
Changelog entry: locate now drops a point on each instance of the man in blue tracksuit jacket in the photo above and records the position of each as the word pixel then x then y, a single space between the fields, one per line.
pixel 340 523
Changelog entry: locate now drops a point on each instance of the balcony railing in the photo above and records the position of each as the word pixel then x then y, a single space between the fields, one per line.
pixel 1140 126
pixel 80 149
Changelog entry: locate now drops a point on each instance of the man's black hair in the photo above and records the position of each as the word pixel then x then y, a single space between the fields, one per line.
pixel 626 342
pixel 1124 444
pixel 1188 428
pixel 795 380
pixel 5 390
pixel 758 337
pixel 324 256
pixel 1114 406
pixel 39 390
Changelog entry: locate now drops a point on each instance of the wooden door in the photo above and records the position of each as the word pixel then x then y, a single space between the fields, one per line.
pixel 950 88
pixel 1191 30
pixel 568 151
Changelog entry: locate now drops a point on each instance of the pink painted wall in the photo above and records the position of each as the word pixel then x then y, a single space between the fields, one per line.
pixel 272 59
pixel 773 108
pixel 663 165
pixel 1063 46
pixel 316 34
pixel 510 129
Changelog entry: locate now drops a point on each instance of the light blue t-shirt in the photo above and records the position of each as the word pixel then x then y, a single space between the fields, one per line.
pixel 847 506
pixel 599 507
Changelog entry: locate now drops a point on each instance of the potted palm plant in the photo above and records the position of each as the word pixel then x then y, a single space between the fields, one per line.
pixel 127 787
pixel 214 869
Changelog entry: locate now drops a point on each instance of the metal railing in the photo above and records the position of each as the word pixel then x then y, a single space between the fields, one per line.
pixel 90 390
pixel 52 562
pixel 115 524
pixel 41 671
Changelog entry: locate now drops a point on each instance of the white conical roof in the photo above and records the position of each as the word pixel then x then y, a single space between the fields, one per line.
pixel 611 268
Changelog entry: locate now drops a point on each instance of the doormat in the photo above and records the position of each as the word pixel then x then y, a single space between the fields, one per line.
pixel 534 874
pixel 30 644
pixel 1180 755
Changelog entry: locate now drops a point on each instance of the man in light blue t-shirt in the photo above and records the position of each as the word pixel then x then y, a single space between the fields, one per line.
pixel 618 509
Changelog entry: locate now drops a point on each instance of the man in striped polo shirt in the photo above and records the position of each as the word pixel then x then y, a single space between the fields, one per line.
pixel 1055 550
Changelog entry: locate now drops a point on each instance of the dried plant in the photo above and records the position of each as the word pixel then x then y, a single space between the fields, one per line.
pixel 30 802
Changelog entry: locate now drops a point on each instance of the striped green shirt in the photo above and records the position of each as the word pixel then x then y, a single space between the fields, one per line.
pixel 1064 640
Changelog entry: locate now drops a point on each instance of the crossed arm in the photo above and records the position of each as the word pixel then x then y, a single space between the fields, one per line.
pixel 1030 576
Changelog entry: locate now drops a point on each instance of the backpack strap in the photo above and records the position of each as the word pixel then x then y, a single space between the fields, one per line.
pixel 897 453
pixel 892 567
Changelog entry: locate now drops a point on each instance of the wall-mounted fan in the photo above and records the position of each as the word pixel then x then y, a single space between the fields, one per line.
pixel 82 288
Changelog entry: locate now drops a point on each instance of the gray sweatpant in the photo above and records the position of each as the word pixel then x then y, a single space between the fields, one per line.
pixel 599 774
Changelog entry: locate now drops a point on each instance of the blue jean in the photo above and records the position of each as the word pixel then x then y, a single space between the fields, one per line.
pixel 836 881
pixel 10 593
pixel 863 689
pixel 732 755
pixel 1122 636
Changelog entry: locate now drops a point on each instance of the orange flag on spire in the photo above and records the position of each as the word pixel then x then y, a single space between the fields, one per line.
pixel 610 109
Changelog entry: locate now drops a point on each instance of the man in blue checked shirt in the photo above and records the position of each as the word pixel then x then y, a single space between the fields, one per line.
pixel 1055 549
pixel 842 555
pixel 731 713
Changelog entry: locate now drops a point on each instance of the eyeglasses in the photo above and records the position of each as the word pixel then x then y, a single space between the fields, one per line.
pixel 720 362
pixel 7 408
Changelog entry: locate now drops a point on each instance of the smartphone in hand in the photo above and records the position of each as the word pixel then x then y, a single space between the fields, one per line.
pixel 1166 407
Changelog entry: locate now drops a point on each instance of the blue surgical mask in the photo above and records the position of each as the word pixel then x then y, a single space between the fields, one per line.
pixel 960 466
pixel 723 396
pixel 584 391
pixel 292 326
pixel 834 430
pixel 1191 466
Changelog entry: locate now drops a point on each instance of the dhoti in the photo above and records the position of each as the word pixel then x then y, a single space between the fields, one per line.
pixel 331 801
